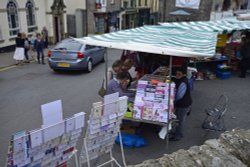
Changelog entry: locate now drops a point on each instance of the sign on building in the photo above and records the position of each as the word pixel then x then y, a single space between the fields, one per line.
pixel 193 4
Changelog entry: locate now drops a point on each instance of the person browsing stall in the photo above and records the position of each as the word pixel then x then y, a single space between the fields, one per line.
pixel 116 68
pixel 119 84
pixel 127 65
pixel 183 101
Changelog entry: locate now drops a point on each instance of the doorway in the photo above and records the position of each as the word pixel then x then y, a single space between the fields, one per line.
pixel 57 29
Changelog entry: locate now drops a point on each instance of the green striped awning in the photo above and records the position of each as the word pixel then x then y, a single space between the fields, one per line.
pixel 221 26
pixel 159 40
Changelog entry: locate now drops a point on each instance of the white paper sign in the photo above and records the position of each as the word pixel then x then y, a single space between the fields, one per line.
pixel 36 138
pixel 111 103
pixel 19 141
pixel 123 102
pixel 193 4
pixel 70 124
pixel 52 113
pixel 54 131
pixel 79 120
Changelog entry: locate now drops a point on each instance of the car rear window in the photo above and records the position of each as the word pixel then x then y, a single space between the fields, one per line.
pixel 69 45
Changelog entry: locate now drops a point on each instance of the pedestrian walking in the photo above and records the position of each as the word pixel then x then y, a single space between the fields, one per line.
pixel 45 35
pixel 19 52
pixel 245 55
pixel 32 40
pixel 26 47
pixel 39 46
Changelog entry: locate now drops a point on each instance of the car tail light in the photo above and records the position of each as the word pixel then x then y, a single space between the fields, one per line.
pixel 49 53
pixel 80 55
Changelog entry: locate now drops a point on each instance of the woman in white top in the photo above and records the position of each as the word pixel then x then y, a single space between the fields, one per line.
pixel 19 52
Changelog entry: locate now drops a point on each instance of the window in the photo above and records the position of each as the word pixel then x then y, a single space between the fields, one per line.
pixel 12 18
pixel 139 3
pixel 100 25
pixel 30 15
pixel 146 3
pixel 125 4
pixel 88 47
pixel 133 3
pixel 68 45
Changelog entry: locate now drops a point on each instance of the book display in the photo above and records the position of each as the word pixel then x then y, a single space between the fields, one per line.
pixel 103 128
pixel 52 145
pixel 152 101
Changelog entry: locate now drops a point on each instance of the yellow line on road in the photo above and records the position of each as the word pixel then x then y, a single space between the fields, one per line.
pixel 13 66
pixel 7 68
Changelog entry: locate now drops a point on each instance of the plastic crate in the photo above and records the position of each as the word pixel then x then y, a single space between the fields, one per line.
pixel 223 75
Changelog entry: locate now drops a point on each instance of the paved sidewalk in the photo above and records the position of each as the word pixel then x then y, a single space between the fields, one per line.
pixel 6 58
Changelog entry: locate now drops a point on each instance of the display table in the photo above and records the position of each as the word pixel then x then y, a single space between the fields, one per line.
pixel 153 103
pixel 209 64
pixel 145 121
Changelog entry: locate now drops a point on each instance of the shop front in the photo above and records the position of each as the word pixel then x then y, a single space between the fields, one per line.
pixel 129 19
pixel 143 16
pixel 106 22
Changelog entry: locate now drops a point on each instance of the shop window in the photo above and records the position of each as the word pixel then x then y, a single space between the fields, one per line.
pixel 30 15
pixel 100 25
pixel 133 3
pixel 226 5
pixel 13 19
pixel 125 4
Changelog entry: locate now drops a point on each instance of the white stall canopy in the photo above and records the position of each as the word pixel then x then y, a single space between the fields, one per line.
pixel 159 40
pixel 221 26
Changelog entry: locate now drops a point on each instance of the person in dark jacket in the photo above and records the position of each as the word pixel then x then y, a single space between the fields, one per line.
pixel 39 46
pixel 183 101
pixel 245 55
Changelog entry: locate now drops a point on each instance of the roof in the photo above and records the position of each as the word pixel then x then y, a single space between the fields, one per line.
pixel 221 26
pixel 159 40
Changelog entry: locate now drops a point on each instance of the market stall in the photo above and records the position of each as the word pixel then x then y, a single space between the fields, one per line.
pixel 227 47
pixel 158 40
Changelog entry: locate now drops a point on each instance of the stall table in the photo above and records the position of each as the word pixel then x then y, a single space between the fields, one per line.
pixel 207 64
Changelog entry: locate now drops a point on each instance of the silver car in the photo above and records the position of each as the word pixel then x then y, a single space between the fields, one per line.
pixel 73 55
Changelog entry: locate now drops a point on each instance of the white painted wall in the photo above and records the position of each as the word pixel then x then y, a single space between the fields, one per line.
pixel 72 5
pixel 41 19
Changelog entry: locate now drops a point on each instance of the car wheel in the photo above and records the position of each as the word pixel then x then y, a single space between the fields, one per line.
pixel 55 70
pixel 103 59
pixel 89 66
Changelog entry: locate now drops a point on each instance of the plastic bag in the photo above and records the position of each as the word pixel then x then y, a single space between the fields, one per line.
pixel 102 90
pixel 131 140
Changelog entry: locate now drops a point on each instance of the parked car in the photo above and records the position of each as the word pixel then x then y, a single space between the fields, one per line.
pixel 70 54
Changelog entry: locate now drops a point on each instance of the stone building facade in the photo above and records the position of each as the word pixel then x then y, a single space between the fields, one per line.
pixel 168 6
pixel 30 16
pixel 102 16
